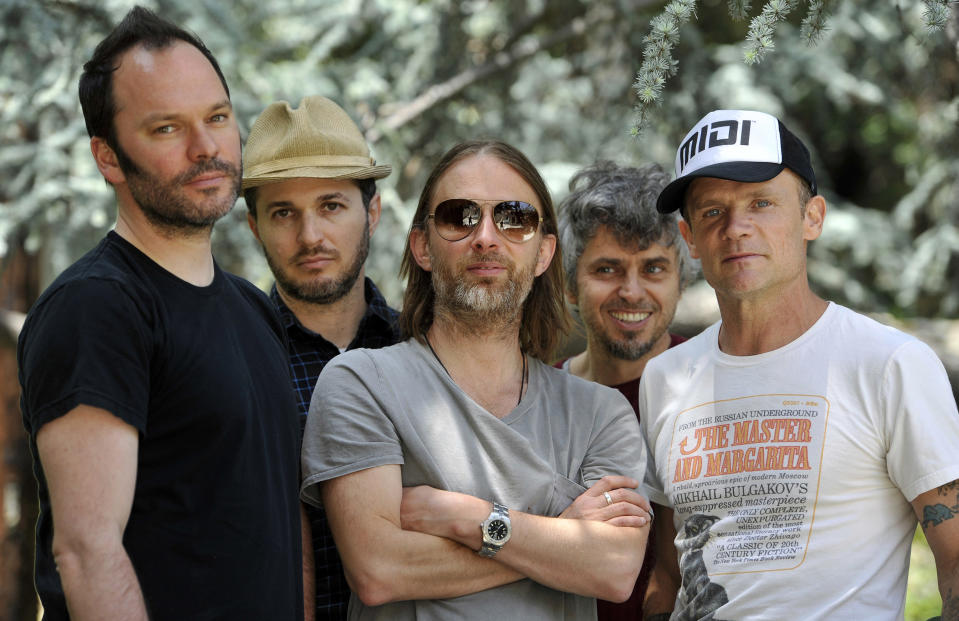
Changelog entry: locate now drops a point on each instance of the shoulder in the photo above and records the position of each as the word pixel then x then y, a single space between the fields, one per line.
pixel 560 384
pixel 871 342
pixel 397 360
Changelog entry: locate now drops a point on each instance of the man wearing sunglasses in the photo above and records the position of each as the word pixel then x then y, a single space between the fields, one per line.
pixel 310 187
pixel 625 266
pixel 446 462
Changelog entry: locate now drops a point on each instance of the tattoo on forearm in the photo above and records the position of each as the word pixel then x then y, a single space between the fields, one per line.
pixel 936 514
pixel 950 605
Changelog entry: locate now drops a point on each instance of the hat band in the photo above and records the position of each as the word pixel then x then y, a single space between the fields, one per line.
pixel 310 161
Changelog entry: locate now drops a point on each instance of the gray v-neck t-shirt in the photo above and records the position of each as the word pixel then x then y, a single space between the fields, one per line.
pixel 397 405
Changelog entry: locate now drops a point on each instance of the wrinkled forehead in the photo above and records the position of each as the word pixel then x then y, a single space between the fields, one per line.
pixel 483 177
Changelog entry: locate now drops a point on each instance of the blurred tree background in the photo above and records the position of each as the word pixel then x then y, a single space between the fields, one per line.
pixel 876 99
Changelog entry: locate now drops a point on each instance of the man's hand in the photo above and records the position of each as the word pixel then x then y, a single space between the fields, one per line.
pixel 625 506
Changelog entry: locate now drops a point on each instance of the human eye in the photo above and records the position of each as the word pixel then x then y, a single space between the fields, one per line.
pixel 164 129
pixel 655 268
pixel 281 213
pixel 219 117
pixel 332 207
pixel 763 203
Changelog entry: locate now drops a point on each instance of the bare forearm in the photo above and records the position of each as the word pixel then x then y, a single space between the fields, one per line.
pixel 586 557
pixel 101 585
pixel 419 566
pixel 309 566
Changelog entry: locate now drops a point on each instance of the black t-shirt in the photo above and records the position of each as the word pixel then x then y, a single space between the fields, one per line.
pixel 202 374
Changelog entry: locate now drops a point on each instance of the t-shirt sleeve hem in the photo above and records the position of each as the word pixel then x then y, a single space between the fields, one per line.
pixel 310 489
pixel 931 481
pixel 91 398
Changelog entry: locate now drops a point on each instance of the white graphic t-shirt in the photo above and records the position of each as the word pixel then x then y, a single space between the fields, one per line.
pixel 790 472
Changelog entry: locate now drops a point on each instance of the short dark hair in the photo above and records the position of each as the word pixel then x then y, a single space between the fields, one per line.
pixel 140 26
pixel 367 192
pixel 622 199
pixel 545 317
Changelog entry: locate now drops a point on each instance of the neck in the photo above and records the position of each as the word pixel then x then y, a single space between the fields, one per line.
pixel 753 327
pixel 488 367
pixel 186 255
pixel 337 321
pixel 597 365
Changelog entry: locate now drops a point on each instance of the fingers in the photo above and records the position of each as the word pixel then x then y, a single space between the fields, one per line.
pixel 611 482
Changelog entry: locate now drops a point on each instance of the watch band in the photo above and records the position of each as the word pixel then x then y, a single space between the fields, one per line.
pixel 499 520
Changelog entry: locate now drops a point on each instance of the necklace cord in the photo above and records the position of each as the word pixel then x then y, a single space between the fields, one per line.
pixel 522 382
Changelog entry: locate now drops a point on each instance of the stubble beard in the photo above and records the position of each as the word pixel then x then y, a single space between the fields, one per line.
pixel 166 205
pixel 322 291
pixel 628 348
pixel 481 306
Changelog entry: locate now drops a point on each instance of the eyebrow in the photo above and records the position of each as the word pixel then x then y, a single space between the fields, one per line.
pixel 156 117
pixel 319 199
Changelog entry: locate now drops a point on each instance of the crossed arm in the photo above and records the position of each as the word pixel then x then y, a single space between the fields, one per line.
pixel 938 512
pixel 89 458
pixel 420 543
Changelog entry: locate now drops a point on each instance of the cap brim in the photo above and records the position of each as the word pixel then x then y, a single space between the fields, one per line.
pixel 319 172
pixel 672 196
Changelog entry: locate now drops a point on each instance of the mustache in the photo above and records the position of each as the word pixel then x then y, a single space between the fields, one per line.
pixel 315 251
pixel 201 168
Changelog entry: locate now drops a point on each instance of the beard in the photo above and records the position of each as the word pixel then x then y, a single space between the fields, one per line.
pixel 481 304
pixel 167 206
pixel 318 291
pixel 628 347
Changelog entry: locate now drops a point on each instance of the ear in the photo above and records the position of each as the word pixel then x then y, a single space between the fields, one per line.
pixel 814 217
pixel 687 233
pixel 419 246
pixel 252 222
pixel 106 160
pixel 373 213
pixel 547 247
pixel 572 298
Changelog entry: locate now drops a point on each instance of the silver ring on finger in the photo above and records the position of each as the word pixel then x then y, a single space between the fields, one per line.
pixel 609 499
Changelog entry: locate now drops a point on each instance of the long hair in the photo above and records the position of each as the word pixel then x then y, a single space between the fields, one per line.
pixel 545 317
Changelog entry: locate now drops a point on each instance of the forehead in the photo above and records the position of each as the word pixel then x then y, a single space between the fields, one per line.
pixel 707 188
pixel 483 177
pixel 605 246
pixel 168 80
pixel 301 189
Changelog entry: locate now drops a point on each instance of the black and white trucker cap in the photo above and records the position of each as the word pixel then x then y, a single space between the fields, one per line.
pixel 738 145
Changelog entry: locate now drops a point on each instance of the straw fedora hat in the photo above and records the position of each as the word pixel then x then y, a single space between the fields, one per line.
pixel 318 140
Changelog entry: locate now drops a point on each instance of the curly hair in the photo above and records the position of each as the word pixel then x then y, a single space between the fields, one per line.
pixel 622 199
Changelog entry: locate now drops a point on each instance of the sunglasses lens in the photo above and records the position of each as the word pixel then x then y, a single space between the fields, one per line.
pixel 516 220
pixel 456 218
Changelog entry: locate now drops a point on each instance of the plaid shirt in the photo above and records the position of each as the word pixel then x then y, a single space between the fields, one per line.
pixel 309 353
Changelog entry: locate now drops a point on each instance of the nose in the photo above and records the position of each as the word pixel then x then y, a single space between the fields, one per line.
pixel 485 236
pixel 203 145
pixel 311 229
pixel 738 224
pixel 632 288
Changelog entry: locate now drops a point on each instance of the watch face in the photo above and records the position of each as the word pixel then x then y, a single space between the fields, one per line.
pixel 497 530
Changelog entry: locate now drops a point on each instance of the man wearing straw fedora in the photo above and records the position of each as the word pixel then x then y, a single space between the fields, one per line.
pixel 310 187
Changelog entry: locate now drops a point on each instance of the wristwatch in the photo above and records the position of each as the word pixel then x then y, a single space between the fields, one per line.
pixel 496 531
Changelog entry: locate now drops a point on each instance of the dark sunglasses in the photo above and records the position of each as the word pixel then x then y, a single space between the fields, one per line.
pixel 456 218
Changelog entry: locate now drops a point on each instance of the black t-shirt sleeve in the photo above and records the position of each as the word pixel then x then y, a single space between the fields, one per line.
pixel 88 343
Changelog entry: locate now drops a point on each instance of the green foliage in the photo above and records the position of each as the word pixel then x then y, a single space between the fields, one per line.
pixel 874 100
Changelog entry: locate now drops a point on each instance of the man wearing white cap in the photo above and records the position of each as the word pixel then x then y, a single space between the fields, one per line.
pixel 795 441
pixel 310 186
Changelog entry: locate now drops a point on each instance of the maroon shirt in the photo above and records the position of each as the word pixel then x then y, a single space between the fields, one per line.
pixel 632 608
